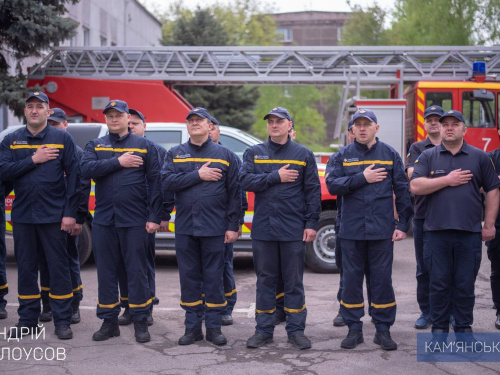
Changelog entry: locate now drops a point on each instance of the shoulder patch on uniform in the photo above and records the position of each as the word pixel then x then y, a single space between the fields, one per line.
pixel 183 156
pixel 261 157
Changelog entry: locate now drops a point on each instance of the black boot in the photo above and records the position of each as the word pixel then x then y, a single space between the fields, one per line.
pixel 75 316
pixel 46 314
pixel 258 340
pixel 497 322
pixel 3 313
pixel 338 321
pixel 383 338
pixel 64 332
pixel 126 318
pixel 216 336
pixel 150 316
pixel 141 331
pixel 190 336
pixel 353 338
pixel 108 329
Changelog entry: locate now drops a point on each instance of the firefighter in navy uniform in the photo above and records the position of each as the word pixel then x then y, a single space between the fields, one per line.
pixel 204 177
pixel 230 291
pixel 58 119
pixel 366 173
pixel 494 250
pixel 451 176
pixel 137 125
pixel 284 177
pixel 125 168
pixel 37 158
pixel 432 126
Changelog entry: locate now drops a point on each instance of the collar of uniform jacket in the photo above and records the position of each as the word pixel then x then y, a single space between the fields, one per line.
pixel 204 144
pixel 365 148
pixel 275 145
pixel 40 135
pixel 116 136
pixel 464 149
pixel 428 143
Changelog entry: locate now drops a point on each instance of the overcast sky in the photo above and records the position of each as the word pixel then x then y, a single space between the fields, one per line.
pixel 280 5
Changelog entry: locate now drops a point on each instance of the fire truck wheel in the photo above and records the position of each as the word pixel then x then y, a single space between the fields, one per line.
pixel 320 254
pixel 85 244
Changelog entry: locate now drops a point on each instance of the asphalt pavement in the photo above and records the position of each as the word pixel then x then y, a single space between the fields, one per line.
pixel 122 355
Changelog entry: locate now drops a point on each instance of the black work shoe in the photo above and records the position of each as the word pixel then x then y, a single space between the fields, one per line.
pixel 258 340
pixel 383 338
pixel 108 329
pixel 190 336
pixel 353 338
pixel 300 341
pixel 497 322
pixel 64 332
pixel 338 321
pixel 141 331
pixel 227 320
pixel 216 336
pixel 19 331
pixel 45 315
pixel 150 319
pixel 3 313
pixel 75 315
pixel 279 318
pixel 126 318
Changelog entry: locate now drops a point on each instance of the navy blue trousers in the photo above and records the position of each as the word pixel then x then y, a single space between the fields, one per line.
pixel 4 286
pixel 47 240
pixel 379 254
pixel 121 247
pixel 338 262
pixel 74 269
pixel 230 291
pixel 122 275
pixel 201 266
pixel 452 258
pixel 270 259
pixel 494 257
pixel 422 273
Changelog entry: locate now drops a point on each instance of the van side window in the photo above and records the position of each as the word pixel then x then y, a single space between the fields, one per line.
pixel 443 99
pixel 478 108
pixel 165 138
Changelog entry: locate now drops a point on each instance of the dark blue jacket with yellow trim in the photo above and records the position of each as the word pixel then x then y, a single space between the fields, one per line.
pixel 282 210
pixel 203 208
pixel 368 209
pixel 167 196
pixel 43 195
pixel 125 197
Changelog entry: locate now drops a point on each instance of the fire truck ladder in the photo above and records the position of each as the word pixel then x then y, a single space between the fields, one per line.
pixel 359 67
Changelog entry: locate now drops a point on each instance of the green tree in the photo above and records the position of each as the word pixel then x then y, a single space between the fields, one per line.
pixel 365 27
pixel 27 28
pixel 232 105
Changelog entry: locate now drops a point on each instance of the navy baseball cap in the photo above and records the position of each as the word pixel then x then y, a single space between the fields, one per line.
pixel 433 110
pixel 57 115
pixel 452 113
pixel 39 95
pixel 279 112
pixel 199 111
pixel 214 120
pixel 366 113
pixel 137 113
pixel 349 126
pixel 117 104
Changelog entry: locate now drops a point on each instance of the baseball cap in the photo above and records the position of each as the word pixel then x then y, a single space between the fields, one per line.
pixel 117 104
pixel 57 115
pixel 366 113
pixel 349 126
pixel 39 95
pixel 214 120
pixel 279 112
pixel 433 110
pixel 137 113
pixel 199 111
pixel 452 113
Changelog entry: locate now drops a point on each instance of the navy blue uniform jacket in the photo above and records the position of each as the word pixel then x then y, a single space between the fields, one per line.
pixel 282 210
pixel 125 197
pixel 203 208
pixel 43 195
pixel 86 187
pixel 367 209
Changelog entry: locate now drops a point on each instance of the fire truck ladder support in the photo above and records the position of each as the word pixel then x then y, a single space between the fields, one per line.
pixel 368 67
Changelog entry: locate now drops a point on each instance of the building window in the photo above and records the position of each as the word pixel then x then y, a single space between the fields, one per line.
pixel 285 35
pixel 86 37
pixel 104 41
